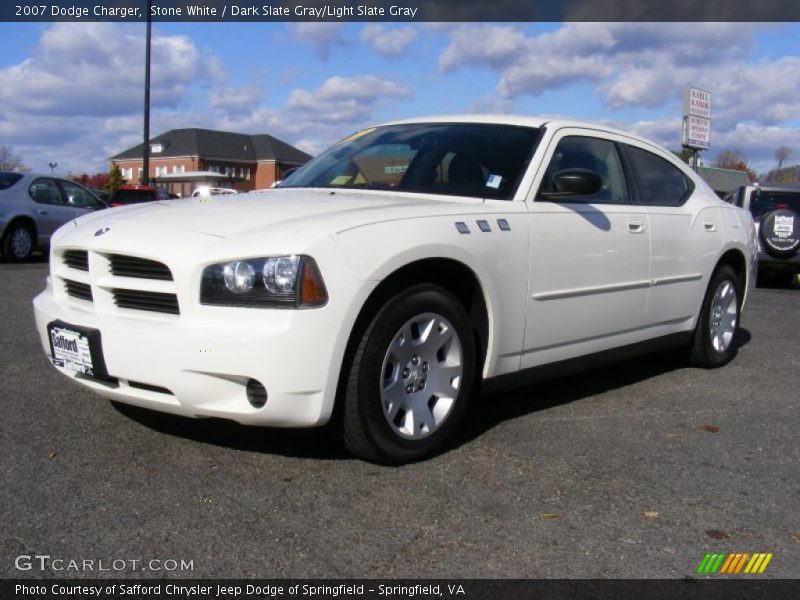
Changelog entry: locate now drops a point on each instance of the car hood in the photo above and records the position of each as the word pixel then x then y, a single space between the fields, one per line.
pixel 291 210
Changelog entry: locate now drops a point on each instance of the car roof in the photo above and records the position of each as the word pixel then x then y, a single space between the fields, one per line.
pixel 775 187
pixel 529 121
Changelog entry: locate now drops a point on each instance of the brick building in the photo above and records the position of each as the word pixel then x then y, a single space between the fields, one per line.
pixel 183 159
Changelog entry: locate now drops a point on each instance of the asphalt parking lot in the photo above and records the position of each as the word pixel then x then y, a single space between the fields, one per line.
pixel 633 470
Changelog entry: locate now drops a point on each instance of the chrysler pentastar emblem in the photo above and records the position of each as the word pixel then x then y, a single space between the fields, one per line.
pixel 100 232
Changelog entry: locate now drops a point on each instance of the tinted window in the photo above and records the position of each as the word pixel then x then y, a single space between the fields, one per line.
pixel 660 182
pixel 599 156
pixel 8 179
pixel 469 159
pixel 79 197
pixel 132 196
pixel 763 202
pixel 45 191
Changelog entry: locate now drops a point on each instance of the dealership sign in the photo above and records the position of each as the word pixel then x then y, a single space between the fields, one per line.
pixel 697 119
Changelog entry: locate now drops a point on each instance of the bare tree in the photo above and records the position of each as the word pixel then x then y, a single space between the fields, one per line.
pixel 729 159
pixel 10 161
pixel 782 154
pixel 735 161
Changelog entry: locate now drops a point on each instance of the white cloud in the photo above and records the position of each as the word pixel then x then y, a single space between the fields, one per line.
pixel 344 99
pixel 388 42
pixel 98 69
pixel 322 37
pixel 314 119
pixel 642 65
pixel 236 98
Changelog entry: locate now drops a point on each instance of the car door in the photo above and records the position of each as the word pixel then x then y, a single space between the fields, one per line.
pixel 49 208
pixel 684 238
pixel 590 256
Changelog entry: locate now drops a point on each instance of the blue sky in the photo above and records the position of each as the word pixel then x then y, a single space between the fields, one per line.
pixel 72 92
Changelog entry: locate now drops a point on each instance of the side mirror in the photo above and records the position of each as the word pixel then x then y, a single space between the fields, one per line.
pixel 573 182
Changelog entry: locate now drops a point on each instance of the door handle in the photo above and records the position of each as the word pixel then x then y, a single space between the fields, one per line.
pixel 710 226
pixel 42 212
pixel 635 225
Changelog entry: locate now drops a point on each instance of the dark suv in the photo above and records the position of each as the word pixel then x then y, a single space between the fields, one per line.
pixel 137 194
pixel 776 211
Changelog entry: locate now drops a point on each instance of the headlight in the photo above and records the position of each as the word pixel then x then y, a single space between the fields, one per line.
pixel 276 281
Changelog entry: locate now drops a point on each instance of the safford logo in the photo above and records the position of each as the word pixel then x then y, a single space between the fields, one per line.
pixel 100 232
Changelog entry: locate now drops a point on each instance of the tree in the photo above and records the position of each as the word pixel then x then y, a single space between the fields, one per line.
pixel 10 161
pixel 115 179
pixel 782 154
pixel 98 180
pixel 733 160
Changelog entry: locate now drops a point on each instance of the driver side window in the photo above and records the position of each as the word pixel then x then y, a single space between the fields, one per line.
pixel 45 191
pixel 593 154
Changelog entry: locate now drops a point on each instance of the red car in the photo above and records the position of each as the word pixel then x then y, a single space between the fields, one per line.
pixel 137 194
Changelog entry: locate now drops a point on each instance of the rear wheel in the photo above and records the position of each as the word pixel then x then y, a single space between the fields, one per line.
pixel 18 242
pixel 410 378
pixel 714 337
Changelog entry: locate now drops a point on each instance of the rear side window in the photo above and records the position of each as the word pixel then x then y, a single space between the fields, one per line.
pixel 9 179
pixel 763 202
pixel 660 182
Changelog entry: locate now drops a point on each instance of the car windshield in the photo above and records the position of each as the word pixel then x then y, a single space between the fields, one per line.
pixel 763 202
pixel 7 179
pixel 462 159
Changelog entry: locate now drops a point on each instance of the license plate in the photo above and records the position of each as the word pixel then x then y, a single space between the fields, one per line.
pixel 72 349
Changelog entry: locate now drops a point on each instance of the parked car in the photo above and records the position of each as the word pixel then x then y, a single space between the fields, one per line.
pixel 138 194
pixel 776 212
pixel 286 174
pixel 205 190
pixel 33 206
pixel 102 194
pixel 398 274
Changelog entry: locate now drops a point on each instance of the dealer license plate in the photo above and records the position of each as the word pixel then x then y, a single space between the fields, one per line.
pixel 71 350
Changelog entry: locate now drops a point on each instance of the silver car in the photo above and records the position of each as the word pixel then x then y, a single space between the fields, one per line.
pixel 33 206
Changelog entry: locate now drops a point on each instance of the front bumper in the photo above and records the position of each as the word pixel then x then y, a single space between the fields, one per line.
pixel 200 366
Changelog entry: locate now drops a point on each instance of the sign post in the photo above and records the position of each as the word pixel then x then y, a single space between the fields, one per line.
pixel 696 121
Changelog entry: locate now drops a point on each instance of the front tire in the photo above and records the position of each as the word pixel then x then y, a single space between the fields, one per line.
pixel 410 378
pixel 714 336
pixel 18 242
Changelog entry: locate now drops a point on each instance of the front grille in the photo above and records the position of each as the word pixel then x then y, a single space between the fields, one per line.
pixel 141 268
pixel 77 259
pixel 76 289
pixel 150 301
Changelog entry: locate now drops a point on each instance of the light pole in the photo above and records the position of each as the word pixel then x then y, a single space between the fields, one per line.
pixel 146 153
pixel 52 165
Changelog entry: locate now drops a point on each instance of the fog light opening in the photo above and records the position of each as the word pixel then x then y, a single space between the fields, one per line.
pixel 256 393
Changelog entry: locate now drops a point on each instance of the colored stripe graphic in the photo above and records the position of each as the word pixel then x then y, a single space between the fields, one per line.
pixel 740 564
pixel 764 564
pixel 734 563
pixel 703 563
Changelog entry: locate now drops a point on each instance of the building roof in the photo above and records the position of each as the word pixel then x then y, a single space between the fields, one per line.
pixel 723 180
pixel 218 144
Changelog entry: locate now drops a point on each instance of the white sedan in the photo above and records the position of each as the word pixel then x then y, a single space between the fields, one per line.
pixel 396 275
